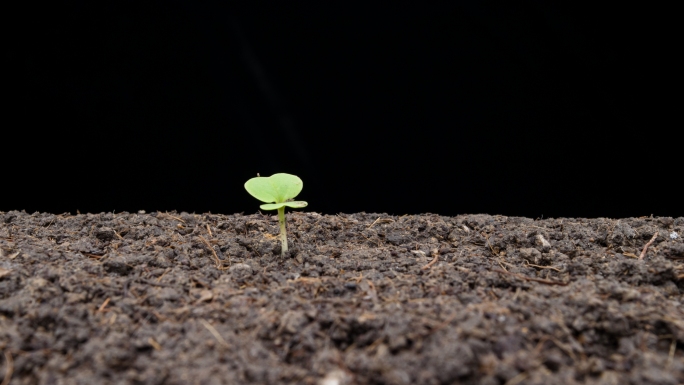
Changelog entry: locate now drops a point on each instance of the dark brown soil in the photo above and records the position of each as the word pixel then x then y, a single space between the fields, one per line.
pixel 168 298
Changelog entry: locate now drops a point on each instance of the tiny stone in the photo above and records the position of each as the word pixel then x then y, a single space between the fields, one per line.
pixel 241 269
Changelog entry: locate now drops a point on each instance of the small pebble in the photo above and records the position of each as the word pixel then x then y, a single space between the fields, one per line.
pixel 350 285
pixel 674 235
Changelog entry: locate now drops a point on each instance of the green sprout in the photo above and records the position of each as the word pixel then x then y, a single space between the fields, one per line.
pixel 278 191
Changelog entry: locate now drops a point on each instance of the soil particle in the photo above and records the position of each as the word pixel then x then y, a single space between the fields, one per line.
pixel 359 299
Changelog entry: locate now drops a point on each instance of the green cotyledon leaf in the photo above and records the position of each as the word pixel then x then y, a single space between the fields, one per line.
pixel 277 188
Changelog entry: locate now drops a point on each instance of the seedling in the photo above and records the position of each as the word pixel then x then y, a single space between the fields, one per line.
pixel 278 191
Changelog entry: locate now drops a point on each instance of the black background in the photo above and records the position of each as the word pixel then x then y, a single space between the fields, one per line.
pixel 404 108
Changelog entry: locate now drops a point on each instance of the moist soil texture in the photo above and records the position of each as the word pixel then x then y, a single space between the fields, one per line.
pixel 178 298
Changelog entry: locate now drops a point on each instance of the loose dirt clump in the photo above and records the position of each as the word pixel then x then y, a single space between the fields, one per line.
pixel 178 298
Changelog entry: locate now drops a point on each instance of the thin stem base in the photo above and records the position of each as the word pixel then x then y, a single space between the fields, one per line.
pixel 283 231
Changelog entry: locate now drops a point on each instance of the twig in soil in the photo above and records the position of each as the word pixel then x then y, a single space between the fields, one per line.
pixel 538 227
pixel 369 240
pixel 526 278
pixel 517 379
pixel 502 266
pixel 371 292
pixel 670 357
pixel 643 252
pixel 373 345
pixel 515 295
pixel 209 230
pixel 559 344
pixel 373 223
pixel 307 280
pixel 381 220
pixel 543 267
pixel 214 332
pixel 491 248
pixel 217 261
pixel 154 344
pixel 153 283
pixel 349 348
pixel 50 224
pixel 205 295
pixel 10 368
pixel 104 305
pixel 434 260
pixel 176 218
pixel 163 274
pixel 96 256
pixel 442 324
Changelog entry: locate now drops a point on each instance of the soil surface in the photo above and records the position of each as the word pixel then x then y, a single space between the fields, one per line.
pixel 178 298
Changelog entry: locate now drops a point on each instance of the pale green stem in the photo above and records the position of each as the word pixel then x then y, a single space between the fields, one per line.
pixel 283 232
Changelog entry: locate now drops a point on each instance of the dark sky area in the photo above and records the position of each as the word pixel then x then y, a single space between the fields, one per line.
pixel 405 108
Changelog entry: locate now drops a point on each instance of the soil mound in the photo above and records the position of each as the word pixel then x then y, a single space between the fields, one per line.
pixel 178 298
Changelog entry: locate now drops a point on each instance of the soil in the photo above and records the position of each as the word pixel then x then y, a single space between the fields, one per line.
pixel 178 298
